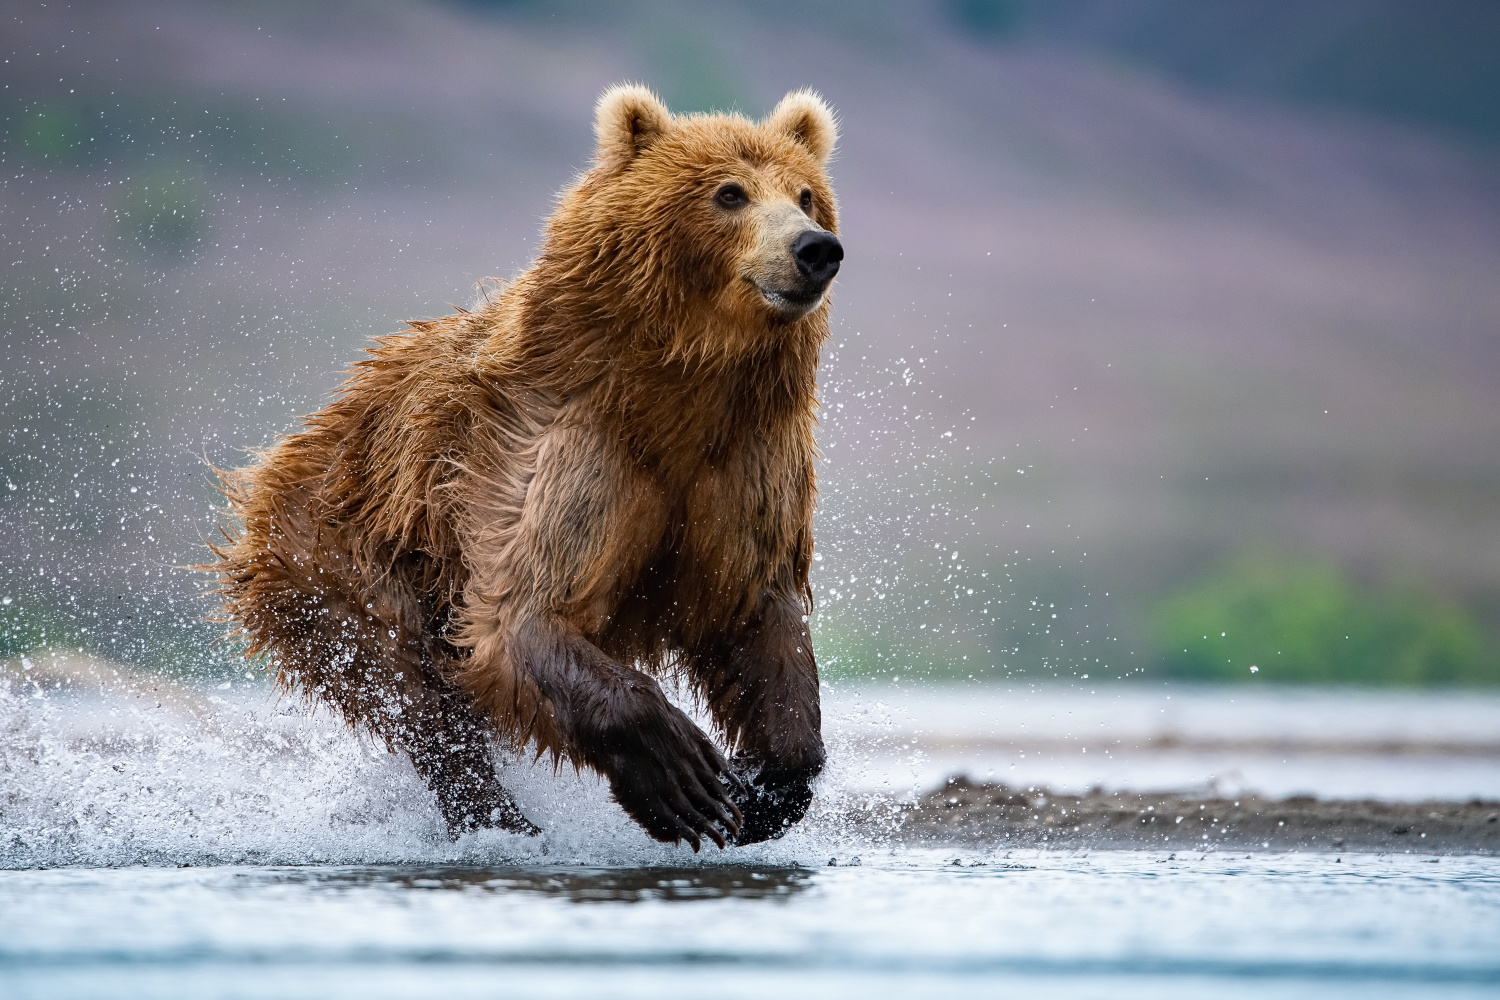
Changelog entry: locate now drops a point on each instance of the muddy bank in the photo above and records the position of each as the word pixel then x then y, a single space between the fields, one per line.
pixel 965 812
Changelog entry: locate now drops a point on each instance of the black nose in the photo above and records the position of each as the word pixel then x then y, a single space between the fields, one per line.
pixel 818 254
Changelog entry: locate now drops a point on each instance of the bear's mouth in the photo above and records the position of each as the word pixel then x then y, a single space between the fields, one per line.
pixel 792 302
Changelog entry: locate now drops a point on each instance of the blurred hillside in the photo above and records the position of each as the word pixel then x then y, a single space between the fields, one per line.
pixel 1133 289
pixel 1430 64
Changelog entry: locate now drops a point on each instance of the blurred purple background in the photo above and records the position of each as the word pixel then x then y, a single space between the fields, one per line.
pixel 1143 300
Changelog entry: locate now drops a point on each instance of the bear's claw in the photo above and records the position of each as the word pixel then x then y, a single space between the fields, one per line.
pixel 770 803
pixel 667 775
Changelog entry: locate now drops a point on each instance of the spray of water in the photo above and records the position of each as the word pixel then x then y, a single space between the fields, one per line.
pixel 104 765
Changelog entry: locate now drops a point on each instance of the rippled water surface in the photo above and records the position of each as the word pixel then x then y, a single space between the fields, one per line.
pixel 896 924
pixel 162 840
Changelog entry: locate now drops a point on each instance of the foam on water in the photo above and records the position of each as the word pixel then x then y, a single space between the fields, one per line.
pixel 104 766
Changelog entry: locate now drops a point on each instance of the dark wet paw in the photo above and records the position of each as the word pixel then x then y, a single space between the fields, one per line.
pixel 669 777
pixel 497 812
pixel 507 816
pixel 770 804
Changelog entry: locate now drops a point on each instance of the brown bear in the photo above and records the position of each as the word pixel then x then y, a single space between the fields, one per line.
pixel 512 517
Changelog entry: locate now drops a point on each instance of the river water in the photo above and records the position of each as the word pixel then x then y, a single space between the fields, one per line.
pixel 901 924
pixel 168 840
pixel 1398 745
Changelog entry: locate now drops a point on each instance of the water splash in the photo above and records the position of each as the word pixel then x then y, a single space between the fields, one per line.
pixel 104 765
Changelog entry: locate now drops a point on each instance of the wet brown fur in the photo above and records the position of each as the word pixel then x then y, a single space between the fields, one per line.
pixel 511 517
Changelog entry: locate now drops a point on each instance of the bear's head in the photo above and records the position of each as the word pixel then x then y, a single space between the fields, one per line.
pixel 705 227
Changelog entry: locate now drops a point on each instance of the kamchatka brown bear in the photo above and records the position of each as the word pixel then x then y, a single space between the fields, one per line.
pixel 512 518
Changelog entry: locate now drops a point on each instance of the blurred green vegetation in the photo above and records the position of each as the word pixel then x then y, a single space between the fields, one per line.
pixel 988 19
pixel 690 74
pixel 1294 620
pixel 1301 621
pixel 850 649
pixel 57 133
pixel 166 210
pixel 89 128
pixel 159 632
pixel 1432 63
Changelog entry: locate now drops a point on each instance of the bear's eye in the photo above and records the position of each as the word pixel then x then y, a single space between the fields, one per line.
pixel 731 196
pixel 806 201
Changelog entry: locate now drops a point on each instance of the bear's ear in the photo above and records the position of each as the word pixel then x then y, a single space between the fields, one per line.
pixel 627 119
pixel 804 117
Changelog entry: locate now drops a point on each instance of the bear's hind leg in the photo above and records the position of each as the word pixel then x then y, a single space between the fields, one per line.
pixel 374 662
pixel 451 754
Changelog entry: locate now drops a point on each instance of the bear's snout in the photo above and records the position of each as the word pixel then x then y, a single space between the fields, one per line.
pixel 817 253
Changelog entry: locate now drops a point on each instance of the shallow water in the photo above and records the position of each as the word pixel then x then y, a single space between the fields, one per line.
pixel 102 766
pixel 1391 744
pixel 319 867
pixel 905 923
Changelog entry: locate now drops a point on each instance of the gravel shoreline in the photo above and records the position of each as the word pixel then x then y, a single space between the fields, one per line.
pixel 963 812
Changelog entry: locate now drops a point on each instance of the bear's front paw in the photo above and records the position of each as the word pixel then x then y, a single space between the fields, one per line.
pixel 669 777
pixel 770 801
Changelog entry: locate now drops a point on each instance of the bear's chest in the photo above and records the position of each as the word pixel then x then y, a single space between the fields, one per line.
pixel 743 521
